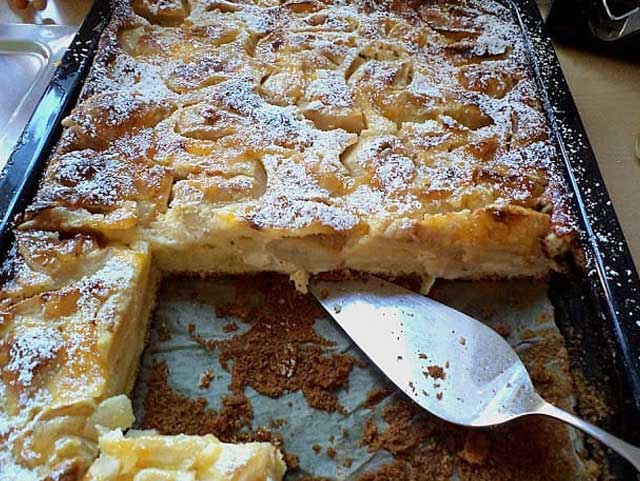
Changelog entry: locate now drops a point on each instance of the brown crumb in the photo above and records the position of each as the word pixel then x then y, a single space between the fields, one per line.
pixel 291 460
pixel 463 341
pixel 503 329
pixel 422 355
pixel 403 433
pixel 486 312
pixel 277 423
pixel 172 413
pixel 316 448
pixel 163 331
pixel 209 345
pixel 436 372
pixel 396 470
pixel 439 396
pixel 376 395
pixel 543 318
pixel 281 352
pixel 230 327
pixel 347 462
pixel 424 448
pixel 540 375
pixel 593 468
pixel 476 448
pixel 427 449
pixel 331 452
pixel 369 433
pixel 205 379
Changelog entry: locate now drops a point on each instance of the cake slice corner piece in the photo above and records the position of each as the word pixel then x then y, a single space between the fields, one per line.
pixel 73 321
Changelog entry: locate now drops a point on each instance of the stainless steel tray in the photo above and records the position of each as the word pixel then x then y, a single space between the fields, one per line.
pixel 29 55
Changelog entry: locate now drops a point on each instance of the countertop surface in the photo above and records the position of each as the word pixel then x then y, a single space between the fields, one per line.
pixel 606 91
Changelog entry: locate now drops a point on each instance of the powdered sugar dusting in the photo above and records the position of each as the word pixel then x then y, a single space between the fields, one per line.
pixel 30 351
pixel 371 71
pixel 454 75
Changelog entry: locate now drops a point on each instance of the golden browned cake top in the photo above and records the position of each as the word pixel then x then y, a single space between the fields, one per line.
pixel 303 116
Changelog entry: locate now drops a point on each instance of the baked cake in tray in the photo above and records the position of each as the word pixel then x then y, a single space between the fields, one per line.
pixel 302 136
pixel 296 136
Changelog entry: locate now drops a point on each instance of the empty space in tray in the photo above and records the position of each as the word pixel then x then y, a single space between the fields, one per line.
pixel 250 358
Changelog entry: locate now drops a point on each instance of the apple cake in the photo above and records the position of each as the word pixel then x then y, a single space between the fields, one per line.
pixel 236 136
pixel 148 456
pixel 73 323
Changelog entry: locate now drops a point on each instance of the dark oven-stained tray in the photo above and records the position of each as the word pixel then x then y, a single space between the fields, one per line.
pixel 597 309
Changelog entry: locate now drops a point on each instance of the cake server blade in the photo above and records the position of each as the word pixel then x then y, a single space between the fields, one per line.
pixel 452 365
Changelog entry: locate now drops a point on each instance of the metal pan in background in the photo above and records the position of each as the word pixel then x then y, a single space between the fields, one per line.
pixel 21 175
pixel 598 309
pixel 28 58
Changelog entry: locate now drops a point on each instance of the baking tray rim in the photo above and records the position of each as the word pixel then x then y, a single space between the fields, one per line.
pixel 19 181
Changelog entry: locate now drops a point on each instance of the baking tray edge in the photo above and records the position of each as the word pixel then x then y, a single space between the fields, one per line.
pixel 611 276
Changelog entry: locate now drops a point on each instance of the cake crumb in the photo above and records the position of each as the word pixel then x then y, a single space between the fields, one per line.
pixel 293 360
pixel 316 448
pixel 170 412
pixel 436 372
pixel 291 460
pixel 230 327
pixel 369 433
pixel 376 395
pixel 208 344
pixel 331 452
pixel 277 423
pixel 476 448
pixel 164 334
pixel 503 329
pixel 540 374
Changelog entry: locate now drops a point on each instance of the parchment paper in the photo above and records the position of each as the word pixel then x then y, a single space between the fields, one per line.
pixel 522 306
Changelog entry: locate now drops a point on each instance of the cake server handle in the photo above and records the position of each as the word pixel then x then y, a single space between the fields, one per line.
pixel 628 451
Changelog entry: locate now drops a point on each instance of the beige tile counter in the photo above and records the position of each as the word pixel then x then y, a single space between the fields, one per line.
pixel 607 93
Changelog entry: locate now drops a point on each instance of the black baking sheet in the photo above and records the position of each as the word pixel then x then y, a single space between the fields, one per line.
pixel 597 309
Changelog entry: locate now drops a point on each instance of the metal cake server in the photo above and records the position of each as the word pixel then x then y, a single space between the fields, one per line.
pixel 449 363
